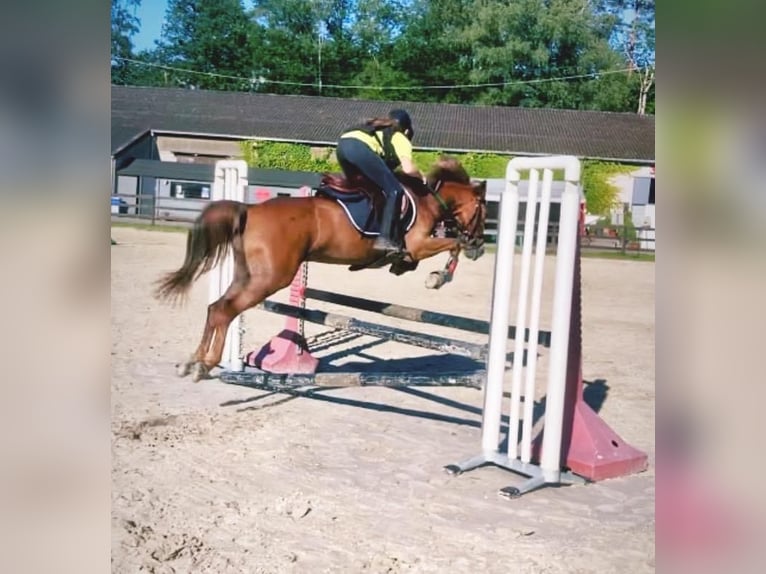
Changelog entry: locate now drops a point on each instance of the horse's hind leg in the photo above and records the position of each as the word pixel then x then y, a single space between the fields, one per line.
pixel 186 367
pixel 253 281
pixel 214 310
pixel 220 314
pixel 197 357
pixel 239 283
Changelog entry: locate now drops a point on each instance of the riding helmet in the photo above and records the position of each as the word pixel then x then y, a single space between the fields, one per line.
pixel 404 121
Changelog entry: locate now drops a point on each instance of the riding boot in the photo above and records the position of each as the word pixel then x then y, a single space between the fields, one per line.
pixel 389 240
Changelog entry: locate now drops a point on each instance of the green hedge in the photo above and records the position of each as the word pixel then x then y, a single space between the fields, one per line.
pixel 600 195
pixel 286 156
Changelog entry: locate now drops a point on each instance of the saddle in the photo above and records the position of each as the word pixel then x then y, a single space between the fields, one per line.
pixel 362 201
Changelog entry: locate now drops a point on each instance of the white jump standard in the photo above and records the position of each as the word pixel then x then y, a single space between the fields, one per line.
pixel 230 183
pixel 563 399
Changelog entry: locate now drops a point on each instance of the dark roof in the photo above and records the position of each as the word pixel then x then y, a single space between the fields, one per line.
pixel 446 127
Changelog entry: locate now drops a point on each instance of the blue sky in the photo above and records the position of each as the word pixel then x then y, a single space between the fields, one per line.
pixel 151 14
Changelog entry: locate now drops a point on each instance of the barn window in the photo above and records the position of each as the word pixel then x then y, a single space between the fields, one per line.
pixel 189 190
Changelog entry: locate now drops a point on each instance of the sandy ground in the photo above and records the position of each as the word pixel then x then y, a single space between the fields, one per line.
pixel 212 477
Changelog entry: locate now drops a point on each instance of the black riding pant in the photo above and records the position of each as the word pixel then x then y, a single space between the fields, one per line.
pixel 356 157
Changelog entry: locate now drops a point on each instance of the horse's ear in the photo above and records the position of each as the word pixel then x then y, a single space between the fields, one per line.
pixel 479 187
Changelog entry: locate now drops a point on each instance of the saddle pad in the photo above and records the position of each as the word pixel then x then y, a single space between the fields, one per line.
pixel 360 212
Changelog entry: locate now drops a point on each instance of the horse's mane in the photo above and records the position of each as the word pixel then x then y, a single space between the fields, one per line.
pixel 448 168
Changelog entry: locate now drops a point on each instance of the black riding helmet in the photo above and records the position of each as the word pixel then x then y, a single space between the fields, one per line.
pixel 404 121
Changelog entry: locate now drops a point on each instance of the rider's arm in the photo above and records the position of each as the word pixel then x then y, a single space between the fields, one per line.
pixel 410 168
pixel 403 149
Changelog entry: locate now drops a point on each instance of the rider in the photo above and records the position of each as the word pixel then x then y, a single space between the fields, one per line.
pixel 376 149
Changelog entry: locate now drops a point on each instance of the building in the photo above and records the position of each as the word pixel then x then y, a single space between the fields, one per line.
pixel 166 140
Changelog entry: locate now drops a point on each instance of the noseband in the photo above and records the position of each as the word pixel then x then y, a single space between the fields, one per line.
pixel 467 235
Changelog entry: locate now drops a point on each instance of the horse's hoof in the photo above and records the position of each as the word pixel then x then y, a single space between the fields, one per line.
pixel 183 369
pixel 199 372
pixel 435 280
pixel 473 253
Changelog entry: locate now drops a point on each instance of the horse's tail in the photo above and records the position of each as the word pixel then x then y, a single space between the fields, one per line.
pixel 207 244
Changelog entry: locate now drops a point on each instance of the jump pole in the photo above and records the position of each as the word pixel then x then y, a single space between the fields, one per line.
pixel 570 427
pixel 414 314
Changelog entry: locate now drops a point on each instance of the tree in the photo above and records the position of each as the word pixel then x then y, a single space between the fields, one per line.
pixel 433 51
pixel 634 38
pixel 380 79
pixel 533 48
pixel 368 48
pixel 147 70
pixel 313 43
pixel 289 56
pixel 211 38
pixel 125 24
pixel 577 54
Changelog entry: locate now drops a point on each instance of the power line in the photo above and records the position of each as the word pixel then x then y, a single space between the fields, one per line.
pixel 262 80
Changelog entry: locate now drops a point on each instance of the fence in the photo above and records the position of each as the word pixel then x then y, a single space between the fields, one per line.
pixel 622 238
pixel 155 209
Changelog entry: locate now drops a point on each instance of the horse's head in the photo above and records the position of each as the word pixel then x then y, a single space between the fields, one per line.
pixel 463 200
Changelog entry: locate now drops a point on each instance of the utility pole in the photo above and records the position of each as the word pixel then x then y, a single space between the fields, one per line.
pixel 319 58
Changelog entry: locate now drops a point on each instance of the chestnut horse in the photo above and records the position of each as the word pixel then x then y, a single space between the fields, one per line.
pixel 270 240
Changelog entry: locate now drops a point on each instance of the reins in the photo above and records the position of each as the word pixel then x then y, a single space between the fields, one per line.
pixel 435 192
pixel 465 231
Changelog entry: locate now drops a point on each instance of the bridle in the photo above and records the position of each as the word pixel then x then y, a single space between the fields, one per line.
pixel 467 233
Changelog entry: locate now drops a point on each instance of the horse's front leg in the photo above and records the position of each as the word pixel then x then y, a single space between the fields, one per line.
pixel 436 279
pixel 415 252
pixel 423 248
pixel 426 247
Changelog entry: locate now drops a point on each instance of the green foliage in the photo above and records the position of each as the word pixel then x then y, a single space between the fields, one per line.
pixel 208 36
pixel 125 25
pixel 306 44
pixel 535 47
pixel 425 159
pixel 605 225
pixel 287 156
pixel 600 195
pixel 485 165
pixel 301 157
pixel 151 75
pixel 478 165
pixel 375 74
pixel 527 50
pixel 629 230
pixel 431 51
